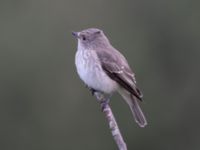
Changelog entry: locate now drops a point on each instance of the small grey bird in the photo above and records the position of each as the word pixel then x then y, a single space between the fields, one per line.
pixel 104 69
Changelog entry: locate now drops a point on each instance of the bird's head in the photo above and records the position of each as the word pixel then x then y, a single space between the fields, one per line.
pixel 91 38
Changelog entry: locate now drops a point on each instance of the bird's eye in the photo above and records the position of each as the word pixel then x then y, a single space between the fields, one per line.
pixel 98 32
pixel 83 38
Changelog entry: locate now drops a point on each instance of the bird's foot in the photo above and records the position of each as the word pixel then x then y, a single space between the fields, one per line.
pixel 91 90
pixel 101 98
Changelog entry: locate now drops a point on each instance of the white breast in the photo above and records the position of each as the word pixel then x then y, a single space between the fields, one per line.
pixel 91 72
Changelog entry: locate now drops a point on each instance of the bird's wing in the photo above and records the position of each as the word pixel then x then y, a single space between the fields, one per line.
pixel 117 68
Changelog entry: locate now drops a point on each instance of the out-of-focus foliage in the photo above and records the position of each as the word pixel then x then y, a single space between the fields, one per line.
pixel 43 103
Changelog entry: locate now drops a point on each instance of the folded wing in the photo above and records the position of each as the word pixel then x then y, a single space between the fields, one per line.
pixel 117 68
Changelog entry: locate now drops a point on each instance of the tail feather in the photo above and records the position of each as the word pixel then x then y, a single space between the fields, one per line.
pixel 137 113
pixel 135 108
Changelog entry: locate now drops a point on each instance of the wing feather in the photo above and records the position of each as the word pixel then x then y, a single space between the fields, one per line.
pixel 118 70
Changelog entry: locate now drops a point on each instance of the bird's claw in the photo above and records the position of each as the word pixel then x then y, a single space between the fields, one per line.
pixel 91 90
pixel 100 97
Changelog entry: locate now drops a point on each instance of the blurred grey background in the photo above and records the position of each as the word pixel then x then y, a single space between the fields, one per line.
pixel 45 106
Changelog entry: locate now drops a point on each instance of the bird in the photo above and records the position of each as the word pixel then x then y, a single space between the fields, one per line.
pixel 104 69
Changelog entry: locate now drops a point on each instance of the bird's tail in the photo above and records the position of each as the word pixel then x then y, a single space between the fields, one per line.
pixel 135 108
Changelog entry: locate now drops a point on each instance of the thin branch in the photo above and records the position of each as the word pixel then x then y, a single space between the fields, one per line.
pixel 111 121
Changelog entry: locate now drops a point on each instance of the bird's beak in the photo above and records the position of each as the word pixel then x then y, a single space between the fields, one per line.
pixel 75 34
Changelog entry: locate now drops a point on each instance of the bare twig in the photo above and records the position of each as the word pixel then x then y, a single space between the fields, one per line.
pixel 111 121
